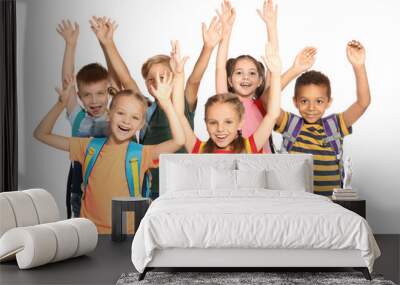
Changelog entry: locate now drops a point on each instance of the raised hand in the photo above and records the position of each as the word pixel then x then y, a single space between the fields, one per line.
pixel 305 59
pixel 67 91
pixel 227 17
pixel 176 62
pixel 163 89
pixel 272 59
pixel 268 13
pixel 355 53
pixel 104 28
pixel 213 34
pixel 68 31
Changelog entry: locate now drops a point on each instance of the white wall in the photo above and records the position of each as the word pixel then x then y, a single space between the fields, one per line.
pixel 145 29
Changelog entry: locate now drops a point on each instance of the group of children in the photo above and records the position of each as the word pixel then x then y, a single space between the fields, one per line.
pixel 115 147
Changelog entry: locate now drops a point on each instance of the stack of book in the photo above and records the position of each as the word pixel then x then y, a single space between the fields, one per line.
pixel 344 194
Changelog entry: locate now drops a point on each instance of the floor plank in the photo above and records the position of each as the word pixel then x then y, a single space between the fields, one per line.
pixel 110 260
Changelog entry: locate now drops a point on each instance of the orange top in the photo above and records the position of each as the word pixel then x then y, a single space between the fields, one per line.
pixel 107 180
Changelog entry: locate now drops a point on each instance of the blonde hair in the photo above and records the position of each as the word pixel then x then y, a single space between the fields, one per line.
pixel 226 98
pixel 160 58
pixel 129 93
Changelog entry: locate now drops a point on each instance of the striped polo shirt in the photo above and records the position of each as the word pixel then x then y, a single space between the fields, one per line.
pixel 311 140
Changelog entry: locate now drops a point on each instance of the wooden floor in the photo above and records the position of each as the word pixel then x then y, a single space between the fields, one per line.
pixel 110 260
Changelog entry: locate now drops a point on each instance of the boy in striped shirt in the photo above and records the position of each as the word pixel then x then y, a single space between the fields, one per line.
pixel 312 97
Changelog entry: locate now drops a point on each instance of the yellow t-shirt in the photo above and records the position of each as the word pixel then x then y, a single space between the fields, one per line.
pixel 107 180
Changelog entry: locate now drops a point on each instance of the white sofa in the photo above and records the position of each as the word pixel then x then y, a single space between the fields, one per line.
pixel 32 233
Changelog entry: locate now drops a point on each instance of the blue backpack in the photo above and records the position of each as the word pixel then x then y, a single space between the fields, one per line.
pixel 133 160
pixel 331 129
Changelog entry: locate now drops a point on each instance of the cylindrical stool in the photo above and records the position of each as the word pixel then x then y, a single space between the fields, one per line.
pixel 121 205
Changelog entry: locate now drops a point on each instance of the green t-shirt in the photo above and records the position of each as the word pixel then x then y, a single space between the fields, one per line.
pixel 158 131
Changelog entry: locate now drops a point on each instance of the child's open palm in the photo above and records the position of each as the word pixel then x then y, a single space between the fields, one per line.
pixel 355 52
pixel 67 91
pixel 68 31
pixel 272 59
pixel 226 16
pixel 213 34
pixel 177 63
pixel 103 28
pixel 305 59
pixel 163 89
pixel 269 13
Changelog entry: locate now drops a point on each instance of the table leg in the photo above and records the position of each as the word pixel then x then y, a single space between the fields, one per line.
pixel 118 222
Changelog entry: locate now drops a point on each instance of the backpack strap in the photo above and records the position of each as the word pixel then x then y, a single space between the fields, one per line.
pixel 198 146
pixel 250 145
pixel 332 132
pixel 146 187
pixel 149 117
pixel 133 162
pixel 291 132
pixel 333 137
pixel 92 152
pixel 260 106
pixel 77 122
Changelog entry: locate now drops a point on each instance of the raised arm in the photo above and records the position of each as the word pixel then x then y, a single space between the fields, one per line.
pixel 304 60
pixel 211 37
pixel 269 15
pixel 104 32
pixel 356 56
pixel 43 131
pixel 70 34
pixel 177 65
pixel 163 96
pixel 227 18
pixel 111 25
pixel 273 62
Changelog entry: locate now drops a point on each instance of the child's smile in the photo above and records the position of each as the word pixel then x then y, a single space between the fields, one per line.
pixel 246 85
pixel 95 110
pixel 124 129
pixel 220 139
pixel 126 117
pixel 222 124
pixel 94 97
pixel 312 102
pixel 245 78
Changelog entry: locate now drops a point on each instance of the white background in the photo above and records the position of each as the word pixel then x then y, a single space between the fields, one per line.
pixel 146 28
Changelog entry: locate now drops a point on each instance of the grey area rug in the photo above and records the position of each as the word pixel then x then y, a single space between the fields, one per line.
pixel 269 278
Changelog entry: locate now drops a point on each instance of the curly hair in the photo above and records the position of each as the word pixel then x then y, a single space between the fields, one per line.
pixel 312 77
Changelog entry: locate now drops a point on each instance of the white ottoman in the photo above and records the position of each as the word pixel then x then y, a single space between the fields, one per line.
pixel 31 230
